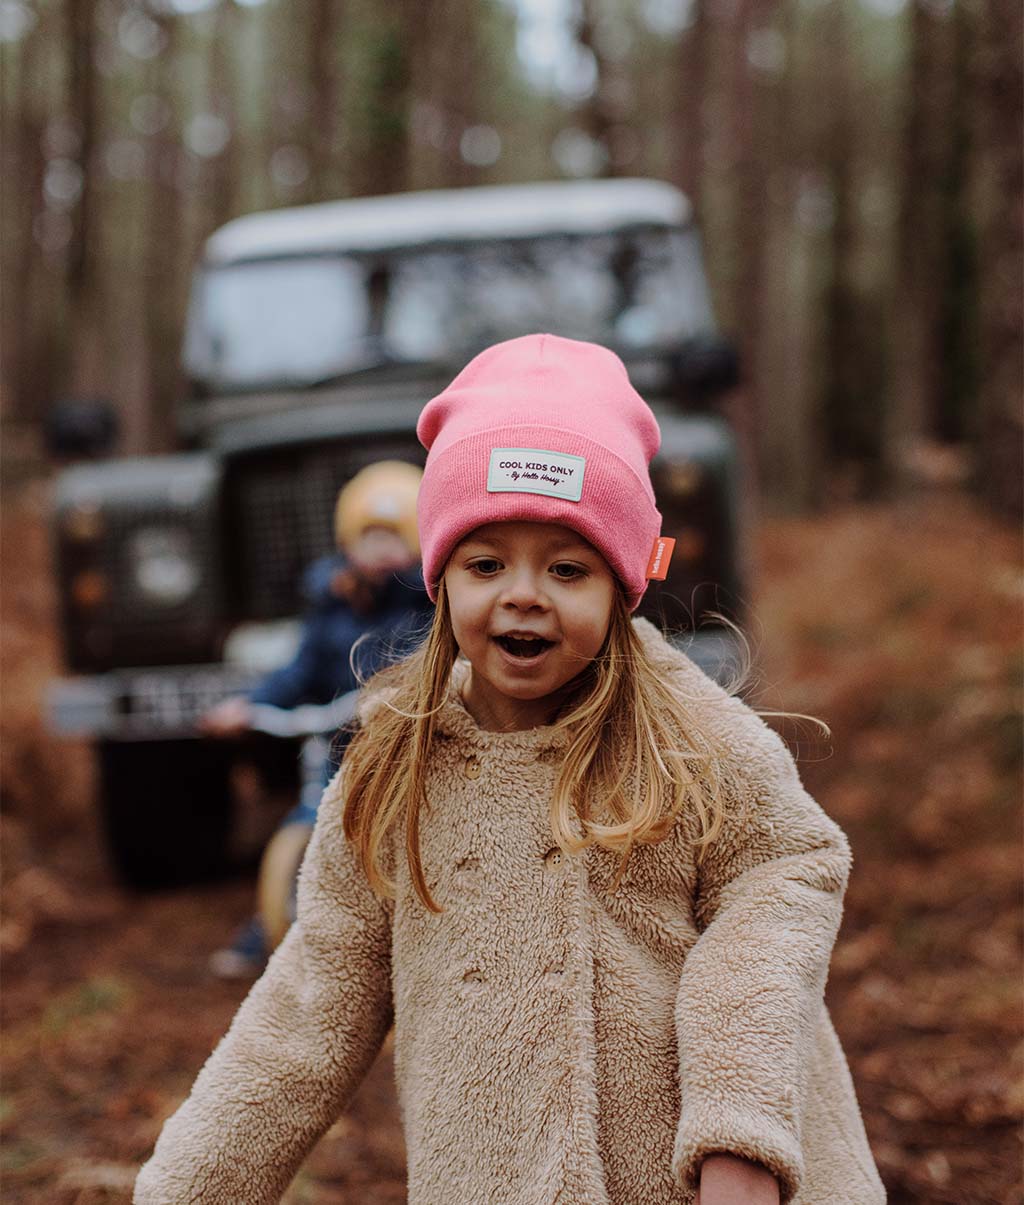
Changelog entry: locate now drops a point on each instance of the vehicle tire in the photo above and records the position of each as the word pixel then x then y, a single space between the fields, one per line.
pixel 166 810
pixel 278 873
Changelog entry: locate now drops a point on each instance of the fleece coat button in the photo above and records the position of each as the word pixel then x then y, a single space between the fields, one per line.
pixel 472 768
pixel 553 860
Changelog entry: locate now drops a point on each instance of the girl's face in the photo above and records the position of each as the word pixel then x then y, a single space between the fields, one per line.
pixel 530 607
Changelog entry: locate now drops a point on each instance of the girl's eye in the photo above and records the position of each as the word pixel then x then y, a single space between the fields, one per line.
pixel 485 566
pixel 566 571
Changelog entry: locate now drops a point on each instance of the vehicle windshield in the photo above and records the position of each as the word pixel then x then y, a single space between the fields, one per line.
pixel 303 321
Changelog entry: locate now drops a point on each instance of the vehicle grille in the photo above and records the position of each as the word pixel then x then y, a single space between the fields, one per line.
pixel 281 516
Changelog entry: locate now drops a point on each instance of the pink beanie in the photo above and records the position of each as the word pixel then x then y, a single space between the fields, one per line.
pixel 543 429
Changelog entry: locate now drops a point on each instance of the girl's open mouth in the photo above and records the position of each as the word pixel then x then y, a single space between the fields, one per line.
pixel 523 646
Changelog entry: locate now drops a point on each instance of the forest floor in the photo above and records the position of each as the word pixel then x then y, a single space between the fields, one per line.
pixel 900 625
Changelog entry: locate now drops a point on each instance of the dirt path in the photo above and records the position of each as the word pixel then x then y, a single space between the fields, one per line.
pixel 899 626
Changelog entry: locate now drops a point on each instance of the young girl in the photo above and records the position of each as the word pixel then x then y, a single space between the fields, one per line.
pixel 583 882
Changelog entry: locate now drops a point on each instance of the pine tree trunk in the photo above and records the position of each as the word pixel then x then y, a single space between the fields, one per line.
pixel 915 374
pixel 86 371
pixel 1000 436
pixel 221 174
pixel 955 337
pixel 383 158
pixel 324 85
pixel 853 353
pixel 791 435
pixel 746 173
pixel 29 356
pixel 598 114
pixel 165 261
pixel 688 118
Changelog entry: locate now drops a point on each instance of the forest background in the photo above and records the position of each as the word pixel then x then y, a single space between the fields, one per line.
pixel 856 167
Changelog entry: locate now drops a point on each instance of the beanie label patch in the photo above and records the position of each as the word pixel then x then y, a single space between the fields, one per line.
pixel 661 554
pixel 535 471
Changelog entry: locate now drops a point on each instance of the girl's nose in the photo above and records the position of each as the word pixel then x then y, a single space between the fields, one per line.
pixel 524 591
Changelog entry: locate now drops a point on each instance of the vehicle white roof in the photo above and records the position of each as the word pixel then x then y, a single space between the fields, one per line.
pixel 446 215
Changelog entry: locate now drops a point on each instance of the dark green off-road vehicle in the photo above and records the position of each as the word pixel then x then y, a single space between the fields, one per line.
pixel 314 336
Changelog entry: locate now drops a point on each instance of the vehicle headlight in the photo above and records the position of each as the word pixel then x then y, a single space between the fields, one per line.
pixel 163 564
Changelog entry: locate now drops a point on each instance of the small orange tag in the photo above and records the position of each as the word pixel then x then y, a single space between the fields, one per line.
pixel 661 554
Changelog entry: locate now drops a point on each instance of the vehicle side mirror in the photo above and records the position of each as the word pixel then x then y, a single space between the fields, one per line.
pixel 81 428
pixel 706 366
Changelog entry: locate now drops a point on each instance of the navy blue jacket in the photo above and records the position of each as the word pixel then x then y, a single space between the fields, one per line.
pixel 321 668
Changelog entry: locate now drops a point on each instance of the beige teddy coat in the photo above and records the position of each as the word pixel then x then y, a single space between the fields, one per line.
pixel 553 1043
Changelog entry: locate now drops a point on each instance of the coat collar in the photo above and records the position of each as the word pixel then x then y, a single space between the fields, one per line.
pixel 454 720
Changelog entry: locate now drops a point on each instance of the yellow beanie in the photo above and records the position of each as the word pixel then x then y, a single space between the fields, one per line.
pixel 381 495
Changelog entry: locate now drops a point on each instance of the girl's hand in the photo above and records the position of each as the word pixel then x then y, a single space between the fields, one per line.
pixel 730 1180
pixel 231 717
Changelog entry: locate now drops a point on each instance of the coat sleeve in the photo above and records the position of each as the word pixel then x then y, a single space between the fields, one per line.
pixel 316 674
pixel 297 1049
pixel 768 907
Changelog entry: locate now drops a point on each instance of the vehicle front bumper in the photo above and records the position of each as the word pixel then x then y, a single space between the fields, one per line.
pixel 152 703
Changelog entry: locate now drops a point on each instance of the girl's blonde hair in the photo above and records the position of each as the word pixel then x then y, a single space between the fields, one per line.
pixel 636 755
